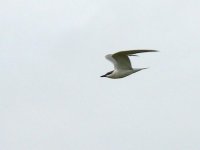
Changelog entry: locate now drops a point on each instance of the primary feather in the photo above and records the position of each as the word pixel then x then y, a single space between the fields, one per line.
pixel 121 60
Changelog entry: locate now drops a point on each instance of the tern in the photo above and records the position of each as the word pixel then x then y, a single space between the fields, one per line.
pixel 122 64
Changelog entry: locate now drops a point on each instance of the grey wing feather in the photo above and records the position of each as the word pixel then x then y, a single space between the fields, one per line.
pixel 130 52
pixel 123 62
pixel 111 59
pixel 119 61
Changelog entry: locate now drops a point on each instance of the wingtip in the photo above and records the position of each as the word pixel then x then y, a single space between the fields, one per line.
pixel 153 50
pixel 133 55
pixel 149 50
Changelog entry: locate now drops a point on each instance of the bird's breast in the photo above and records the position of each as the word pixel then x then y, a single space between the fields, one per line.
pixel 120 73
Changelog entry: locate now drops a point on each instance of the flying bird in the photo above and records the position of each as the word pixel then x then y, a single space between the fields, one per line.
pixel 122 64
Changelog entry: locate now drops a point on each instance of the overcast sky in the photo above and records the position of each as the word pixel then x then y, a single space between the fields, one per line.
pixel 52 57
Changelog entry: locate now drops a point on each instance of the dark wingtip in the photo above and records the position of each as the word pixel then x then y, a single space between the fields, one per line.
pixel 133 55
pixel 153 50
pixel 156 51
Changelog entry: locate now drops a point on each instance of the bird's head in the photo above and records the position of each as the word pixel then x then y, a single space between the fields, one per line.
pixel 108 73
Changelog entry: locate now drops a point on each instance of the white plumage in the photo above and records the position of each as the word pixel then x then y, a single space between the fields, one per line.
pixel 122 64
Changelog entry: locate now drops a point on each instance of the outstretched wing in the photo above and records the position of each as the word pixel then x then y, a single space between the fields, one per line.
pixel 131 52
pixel 120 59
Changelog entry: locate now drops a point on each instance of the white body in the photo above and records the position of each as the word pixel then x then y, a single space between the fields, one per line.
pixel 122 64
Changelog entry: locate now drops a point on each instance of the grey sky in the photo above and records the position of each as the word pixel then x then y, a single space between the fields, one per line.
pixel 51 57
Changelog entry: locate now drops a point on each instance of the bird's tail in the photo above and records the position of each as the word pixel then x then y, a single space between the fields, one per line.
pixel 139 69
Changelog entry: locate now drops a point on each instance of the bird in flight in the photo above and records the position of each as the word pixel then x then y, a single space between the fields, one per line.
pixel 122 64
